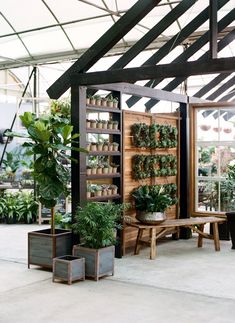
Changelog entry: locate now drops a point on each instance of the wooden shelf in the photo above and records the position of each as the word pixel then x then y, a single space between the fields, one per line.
pixel 102 109
pixel 97 176
pixel 108 131
pixel 104 198
pixel 104 153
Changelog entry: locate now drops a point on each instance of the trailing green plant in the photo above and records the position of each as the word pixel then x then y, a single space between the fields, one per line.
pixel 154 198
pixel 96 222
pixel 51 137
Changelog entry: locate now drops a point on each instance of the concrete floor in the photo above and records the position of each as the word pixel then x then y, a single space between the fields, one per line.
pixel 184 284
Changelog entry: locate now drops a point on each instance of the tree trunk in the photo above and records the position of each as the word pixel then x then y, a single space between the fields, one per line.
pixel 53 220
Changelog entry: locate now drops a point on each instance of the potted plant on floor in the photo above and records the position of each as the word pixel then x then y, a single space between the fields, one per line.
pixel 151 203
pixel 51 136
pixel 96 223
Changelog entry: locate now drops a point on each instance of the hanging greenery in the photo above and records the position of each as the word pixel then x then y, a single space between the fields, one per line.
pixel 154 166
pixel 140 133
pixel 154 136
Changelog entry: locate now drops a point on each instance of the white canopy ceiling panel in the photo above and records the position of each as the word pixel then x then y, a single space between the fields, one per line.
pixel 26 14
pixel 11 47
pixel 46 41
pixel 4 26
pixel 84 34
pixel 228 51
pixel 73 10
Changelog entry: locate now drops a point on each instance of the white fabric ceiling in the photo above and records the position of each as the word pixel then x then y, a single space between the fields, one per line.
pixel 48 30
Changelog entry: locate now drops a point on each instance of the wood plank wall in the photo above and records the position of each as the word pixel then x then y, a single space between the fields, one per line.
pixel 129 183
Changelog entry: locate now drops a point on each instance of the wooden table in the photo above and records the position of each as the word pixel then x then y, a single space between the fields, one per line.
pixel 196 224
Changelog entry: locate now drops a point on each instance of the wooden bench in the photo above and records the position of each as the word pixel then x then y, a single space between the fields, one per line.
pixel 158 231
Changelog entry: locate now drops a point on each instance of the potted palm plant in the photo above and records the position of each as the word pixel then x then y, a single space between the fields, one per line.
pixel 50 137
pixel 95 224
pixel 151 203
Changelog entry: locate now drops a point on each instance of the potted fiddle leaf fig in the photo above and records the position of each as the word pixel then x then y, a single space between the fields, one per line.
pixel 49 138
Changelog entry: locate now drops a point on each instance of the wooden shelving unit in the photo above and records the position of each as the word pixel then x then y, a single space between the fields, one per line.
pixel 80 179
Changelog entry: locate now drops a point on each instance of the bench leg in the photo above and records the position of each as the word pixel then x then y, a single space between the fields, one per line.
pixel 153 248
pixel 200 237
pixel 216 236
pixel 137 244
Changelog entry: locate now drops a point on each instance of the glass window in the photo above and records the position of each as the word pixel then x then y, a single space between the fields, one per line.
pixel 213 162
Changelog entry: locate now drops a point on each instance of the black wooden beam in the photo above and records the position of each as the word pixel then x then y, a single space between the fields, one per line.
pixel 142 91
pixel 190 51
pixel 211 85
pixel 184 168
pixel 174 42
pixel 177 81
pixel 151 35
pixel 228 96
pixel 209 66
pixel 213 28
pixel 222 89
pixel 103 45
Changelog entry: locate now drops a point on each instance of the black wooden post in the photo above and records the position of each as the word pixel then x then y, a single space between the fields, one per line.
pixel 185 233
pixel 78 167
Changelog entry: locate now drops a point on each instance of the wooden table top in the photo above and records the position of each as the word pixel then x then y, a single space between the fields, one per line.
pixel 177 222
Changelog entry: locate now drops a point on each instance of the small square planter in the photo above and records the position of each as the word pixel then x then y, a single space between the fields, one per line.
pixel 68 268
pixel 98 262
pixel 44 246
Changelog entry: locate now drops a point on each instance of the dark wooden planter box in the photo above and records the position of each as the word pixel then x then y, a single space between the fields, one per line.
pixel 44 246
pixel 98 262
pixel 68 268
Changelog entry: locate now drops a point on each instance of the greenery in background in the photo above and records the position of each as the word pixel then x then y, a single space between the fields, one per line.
pixel 18 207
pixel 51 137
pixel 13 161
pixel 63 221
pixel 206 165
pixel 61 108
pixel 227 189
pixel 95 223
pixel 154 198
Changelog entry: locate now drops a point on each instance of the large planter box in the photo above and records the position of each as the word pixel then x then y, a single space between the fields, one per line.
pixel 98 262
pixel 44 246
pixel 68 268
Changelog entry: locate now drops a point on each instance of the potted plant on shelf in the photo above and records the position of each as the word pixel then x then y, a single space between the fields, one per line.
pixel 115 146
pixel 151 203
pixel 96 224
pixel 51 136
pixel 104 102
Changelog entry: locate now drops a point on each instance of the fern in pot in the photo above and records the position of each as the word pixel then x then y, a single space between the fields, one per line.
pixel 96 224
pixel 151 203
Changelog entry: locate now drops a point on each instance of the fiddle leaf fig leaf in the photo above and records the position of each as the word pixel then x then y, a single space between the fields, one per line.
pixel 27 119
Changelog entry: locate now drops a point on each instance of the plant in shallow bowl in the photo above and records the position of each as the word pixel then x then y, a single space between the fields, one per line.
pixel 151 203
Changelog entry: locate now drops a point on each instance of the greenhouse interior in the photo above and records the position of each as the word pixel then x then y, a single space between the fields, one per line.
pixel 117 161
